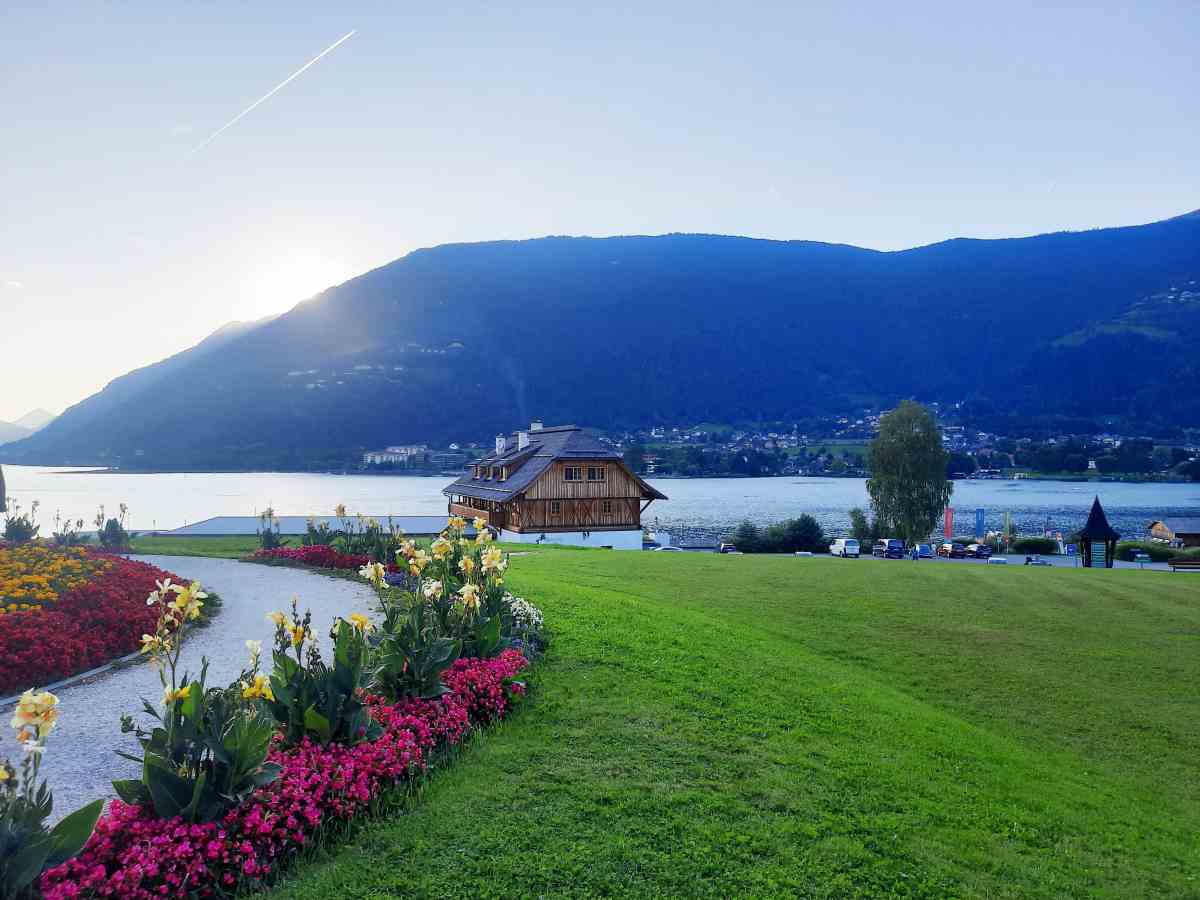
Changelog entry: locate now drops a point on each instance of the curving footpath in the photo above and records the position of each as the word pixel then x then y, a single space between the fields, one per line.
pixel 80 763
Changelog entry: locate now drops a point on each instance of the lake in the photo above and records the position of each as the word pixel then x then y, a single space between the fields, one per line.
pixel 699 508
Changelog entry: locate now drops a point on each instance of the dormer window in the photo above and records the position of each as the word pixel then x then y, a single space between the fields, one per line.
pixel 597 473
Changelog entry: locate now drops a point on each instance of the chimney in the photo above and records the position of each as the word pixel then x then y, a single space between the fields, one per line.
pixel 535 425
pixel 499 445
pixel 522 440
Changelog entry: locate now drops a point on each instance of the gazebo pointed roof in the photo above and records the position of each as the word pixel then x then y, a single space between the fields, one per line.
pixel 1097 527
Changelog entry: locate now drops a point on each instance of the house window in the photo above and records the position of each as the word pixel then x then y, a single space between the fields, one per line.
pixel 474 471
pixel 556 507
pixel 573 473
pixel 504 474
pixel 597 473
pixel 606 507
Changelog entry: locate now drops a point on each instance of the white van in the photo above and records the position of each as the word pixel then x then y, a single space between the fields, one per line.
pixel 844 547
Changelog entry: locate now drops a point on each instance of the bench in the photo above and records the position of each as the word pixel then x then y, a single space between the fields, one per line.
pixel 1184 564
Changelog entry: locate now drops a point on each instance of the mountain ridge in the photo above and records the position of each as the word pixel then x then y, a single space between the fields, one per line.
pixel 461 340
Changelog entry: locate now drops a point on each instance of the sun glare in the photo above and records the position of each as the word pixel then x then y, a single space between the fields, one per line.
pixel 288 279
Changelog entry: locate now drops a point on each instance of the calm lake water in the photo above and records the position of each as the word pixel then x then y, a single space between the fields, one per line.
pixel 698 508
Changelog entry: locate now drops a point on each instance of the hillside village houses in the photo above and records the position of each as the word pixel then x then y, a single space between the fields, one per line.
pixel 400 455
pixel 554 485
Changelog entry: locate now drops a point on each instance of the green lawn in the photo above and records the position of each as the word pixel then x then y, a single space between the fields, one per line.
pixel 744 726
pixel 226 547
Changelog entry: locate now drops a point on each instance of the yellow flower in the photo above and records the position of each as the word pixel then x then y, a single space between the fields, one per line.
pixel 298 633
pixel 470 596
pixel 484 537
pixel 467 565
pixel 255 650
pixel 432 590
pixel 170 697
pixel 35 715
pixel 480 523
pixel 151 643
pixel 340 510
pixel 259 690
pixel 441 548
pixel 374 573
pixel 361 622
pixel 493 560
pixel 458 522
pixel 276 617
pixel 4 776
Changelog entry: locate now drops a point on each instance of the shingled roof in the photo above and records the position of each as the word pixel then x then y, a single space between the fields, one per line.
pixel 1097 527
pixel 546 445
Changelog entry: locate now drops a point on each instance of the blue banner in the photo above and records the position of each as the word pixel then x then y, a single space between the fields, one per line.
pixel 979 527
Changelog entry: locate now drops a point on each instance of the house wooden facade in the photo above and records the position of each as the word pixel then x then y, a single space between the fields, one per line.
pixel 551 483
pixel 1181 532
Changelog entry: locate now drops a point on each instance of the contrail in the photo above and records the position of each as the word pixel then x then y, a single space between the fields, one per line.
pixel 272 92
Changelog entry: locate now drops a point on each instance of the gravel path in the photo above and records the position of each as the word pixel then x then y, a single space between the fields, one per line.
pixel 80 762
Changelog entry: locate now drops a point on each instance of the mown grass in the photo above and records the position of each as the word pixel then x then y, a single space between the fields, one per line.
pixel 223 547
pixel 749 726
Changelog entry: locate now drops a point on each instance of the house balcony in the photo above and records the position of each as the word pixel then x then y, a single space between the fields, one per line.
pixel 494 518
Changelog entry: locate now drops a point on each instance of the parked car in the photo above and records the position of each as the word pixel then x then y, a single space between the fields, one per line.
pixel 979 551
pixel 727 548
pixel 952 550
pixel 668 550
pixel 888 548
pixel 925 551
pixel 1037 561
pixel 844 547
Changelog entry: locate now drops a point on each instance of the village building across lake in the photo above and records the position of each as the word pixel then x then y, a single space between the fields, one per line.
pixel 555 485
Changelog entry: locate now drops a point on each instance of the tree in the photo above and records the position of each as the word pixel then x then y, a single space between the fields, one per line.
pixel 863 530
pixel 3 499
pixel 908 484
pixel 747 538
pixel 635 458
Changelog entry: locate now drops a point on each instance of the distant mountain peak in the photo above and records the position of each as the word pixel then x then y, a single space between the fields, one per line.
pixel 35 419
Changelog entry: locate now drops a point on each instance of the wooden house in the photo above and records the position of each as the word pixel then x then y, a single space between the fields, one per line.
pixel 1180 532
pixel 556 485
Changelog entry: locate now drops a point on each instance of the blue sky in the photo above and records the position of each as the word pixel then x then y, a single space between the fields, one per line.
pixel 883 125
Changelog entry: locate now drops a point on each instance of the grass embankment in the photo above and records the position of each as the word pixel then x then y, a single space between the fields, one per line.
pixel 223 547
pixel 731 726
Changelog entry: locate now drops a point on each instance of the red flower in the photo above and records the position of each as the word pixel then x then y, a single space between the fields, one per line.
pixel 133 855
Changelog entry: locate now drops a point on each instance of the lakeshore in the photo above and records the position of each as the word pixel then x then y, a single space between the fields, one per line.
pixel 698 508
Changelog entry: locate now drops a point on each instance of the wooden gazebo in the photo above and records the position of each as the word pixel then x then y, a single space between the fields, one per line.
pixel 1098 541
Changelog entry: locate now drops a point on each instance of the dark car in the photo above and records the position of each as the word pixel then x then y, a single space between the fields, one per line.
pixel 888 548
pixel 952 551
pixel 979 551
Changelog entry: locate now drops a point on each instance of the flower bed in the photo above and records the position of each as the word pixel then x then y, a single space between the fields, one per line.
pixel 97 613
pixel 132 854
pixel 321 556
pixel 32 575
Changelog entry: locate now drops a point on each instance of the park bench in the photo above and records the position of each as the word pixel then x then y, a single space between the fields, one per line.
pixel 1185 564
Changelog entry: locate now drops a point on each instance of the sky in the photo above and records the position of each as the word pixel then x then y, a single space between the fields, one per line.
pixel 878 124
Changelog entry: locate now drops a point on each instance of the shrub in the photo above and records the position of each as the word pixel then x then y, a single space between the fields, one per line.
pixel 27 846
pixel 20 528
pixel 1157 552
pixel 801 534
pixel 410 656
pixel 308 697
pixel 111 532
pixel 208 752
pixel 1037 545
pixel 268 531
